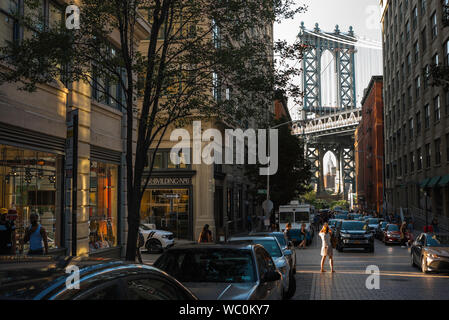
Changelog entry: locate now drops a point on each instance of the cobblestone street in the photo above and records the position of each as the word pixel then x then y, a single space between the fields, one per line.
pixel 398 279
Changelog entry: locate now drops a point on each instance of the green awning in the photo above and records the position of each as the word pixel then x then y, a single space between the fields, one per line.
pixel 444 181
pixel 433 182
pixel 423 183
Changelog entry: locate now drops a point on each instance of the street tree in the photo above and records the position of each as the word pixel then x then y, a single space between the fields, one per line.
pixel 197 52
pixel 294 171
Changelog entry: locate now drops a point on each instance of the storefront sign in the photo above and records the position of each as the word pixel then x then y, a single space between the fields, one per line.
pixel 170 181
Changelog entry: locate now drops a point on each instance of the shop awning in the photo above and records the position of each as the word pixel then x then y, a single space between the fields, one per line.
pixel 433 182
pixel 444 181
pixel 424 183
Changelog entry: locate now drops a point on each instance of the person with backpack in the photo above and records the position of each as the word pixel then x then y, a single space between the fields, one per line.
pixel 37 236
pixel 7 234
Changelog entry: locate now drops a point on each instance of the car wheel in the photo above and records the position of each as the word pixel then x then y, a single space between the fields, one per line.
pixel 412 260
pixel 291 288
pixel 424 265
pixel 154 246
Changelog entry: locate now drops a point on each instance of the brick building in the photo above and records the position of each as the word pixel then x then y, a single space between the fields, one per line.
pixel 370 148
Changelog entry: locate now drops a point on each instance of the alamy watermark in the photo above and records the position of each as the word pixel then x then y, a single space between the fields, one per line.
pixel 72 13
pixel 215 152
pixel 72 281
pixel 373 280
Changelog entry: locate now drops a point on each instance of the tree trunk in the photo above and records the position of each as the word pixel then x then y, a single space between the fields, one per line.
pixel 133 226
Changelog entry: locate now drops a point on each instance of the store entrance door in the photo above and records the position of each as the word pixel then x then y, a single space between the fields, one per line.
pixel 168 209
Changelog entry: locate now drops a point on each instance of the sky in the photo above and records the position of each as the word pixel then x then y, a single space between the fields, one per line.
pixel 363 15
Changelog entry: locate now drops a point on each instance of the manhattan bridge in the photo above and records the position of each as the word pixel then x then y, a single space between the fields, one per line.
pixel 326 123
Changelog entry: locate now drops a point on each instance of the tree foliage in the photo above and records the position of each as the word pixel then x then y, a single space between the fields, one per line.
pixel 196 51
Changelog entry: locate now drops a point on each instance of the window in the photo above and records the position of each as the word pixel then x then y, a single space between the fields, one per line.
pixel 163 161
pixel 428 155
pixel 434 24
pixel 103 205
pixel 446 52
pixel 417 86
pixel 412 161
pixel 423 6
pixel 437 151
pixel 415 18
pixel 400 167
pixel 416 48
pixel 418 122
pixel 410 124
pixel 419 158
pixel 409 63
pixel 424 40
pixel 447 147
pixel 8 26
pixel 436 109
pixel 426 75
pixel 436 59
pixel 30 182
pixel 405 164
pixel 407 31
pixel 427 117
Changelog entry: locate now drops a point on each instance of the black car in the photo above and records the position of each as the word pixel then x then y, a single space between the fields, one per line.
pixel 354 234
pixel 431 252
pixel 46 278
pixel 240 271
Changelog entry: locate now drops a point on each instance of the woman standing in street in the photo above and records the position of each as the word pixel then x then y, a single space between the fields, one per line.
pixel 205 235
pixel 326 248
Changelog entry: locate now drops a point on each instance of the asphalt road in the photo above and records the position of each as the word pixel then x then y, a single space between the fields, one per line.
pixel 398 280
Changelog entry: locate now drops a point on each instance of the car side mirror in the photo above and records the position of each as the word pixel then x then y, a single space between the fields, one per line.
pixel 271 276
pixel 287 252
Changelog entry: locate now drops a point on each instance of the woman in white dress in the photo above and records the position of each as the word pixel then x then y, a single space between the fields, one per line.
pixel 326 249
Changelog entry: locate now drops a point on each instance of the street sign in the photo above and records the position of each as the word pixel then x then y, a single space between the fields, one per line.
pixel 262 191
pixel 267 206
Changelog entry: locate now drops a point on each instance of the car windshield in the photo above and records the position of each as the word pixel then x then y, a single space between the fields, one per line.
pixel 209 265
pixel 353 225
pixel 373 221
pixel 393 227
pixel 281 239
pixel 270 245
pixel 437 240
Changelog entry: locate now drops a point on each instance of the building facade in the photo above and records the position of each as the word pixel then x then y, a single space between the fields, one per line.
pixel 416 115
pixel 370 149
pixel 57 132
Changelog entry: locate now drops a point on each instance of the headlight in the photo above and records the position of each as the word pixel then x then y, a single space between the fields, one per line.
pixel 165 236
pixel 433 256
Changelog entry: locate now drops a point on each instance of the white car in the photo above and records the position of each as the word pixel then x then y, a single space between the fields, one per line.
pixel 156 240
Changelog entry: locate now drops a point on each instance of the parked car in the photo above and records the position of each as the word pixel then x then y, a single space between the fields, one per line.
pixel 241 271
pixel 391 234
pixel 354 234
pixel 44 278
pixel 279 257
pixel 156 240
pixel 380 230
pixel 431 252
pixel 341 216
pixel 373 224
pixel 287 246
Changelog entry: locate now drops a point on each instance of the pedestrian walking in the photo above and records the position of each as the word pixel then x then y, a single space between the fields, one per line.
pixel 205 235
pixel 326 248
pixel 403 230
pixel 7 234
pixel 37 236
pixel 434 223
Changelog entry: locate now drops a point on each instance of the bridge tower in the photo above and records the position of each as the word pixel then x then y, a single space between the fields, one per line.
pixel 329 127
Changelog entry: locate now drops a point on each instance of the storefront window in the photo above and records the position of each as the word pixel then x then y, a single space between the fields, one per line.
pixel 103 205
pixel 29 183
pixel 168 209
